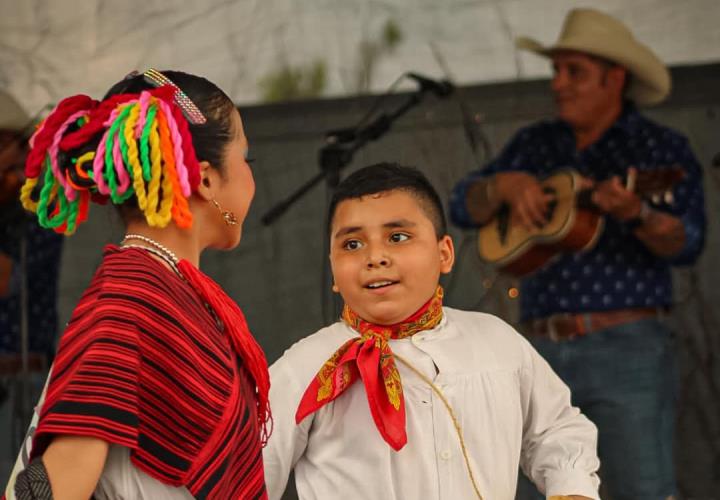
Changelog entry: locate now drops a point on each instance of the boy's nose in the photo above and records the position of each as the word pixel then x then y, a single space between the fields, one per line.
pixel 379 261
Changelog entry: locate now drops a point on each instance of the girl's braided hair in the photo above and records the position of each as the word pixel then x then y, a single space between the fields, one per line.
pixel 135 148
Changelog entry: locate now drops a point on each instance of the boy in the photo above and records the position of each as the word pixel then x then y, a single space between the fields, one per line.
pixel 413 400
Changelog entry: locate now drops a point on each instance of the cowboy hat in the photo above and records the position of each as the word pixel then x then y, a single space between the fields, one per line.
pixel 598 34
pixel 12 115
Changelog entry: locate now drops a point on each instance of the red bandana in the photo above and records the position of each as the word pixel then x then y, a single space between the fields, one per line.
pixel 370 358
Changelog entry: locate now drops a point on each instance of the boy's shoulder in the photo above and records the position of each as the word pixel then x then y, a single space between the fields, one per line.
pixel 312 351
pixel 486 332
pixel 478 322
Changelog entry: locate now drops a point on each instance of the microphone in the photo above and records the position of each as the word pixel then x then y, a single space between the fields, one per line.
pixel 441 88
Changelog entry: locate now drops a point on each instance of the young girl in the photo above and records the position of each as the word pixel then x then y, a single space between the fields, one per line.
pixel 159 389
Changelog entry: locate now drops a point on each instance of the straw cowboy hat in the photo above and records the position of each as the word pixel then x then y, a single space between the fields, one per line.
pixel 12 115
pixel 598 34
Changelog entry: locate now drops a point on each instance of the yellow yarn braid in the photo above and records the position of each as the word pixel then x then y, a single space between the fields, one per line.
pixel 25 194
pixel 134 159
pixel 158 213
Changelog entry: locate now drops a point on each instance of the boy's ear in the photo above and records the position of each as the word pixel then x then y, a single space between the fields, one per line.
pixel 447 254
pixel 209 181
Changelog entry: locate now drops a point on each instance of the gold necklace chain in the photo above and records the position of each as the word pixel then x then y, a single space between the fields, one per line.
pixel 158 253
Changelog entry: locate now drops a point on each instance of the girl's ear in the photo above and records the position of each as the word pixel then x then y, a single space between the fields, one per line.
pixel 209 180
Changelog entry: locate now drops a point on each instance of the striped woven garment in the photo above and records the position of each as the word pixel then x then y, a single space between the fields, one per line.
pixel 145 365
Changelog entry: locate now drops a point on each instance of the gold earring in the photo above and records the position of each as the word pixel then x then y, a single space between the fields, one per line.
pixel 227 216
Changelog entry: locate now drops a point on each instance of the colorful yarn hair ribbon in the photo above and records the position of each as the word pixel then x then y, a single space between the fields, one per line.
pixel 143 149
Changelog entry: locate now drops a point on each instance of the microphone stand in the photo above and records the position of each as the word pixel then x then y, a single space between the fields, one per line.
pixel 339 151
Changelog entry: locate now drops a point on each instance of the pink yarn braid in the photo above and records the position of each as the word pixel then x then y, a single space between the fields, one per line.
pixel 44 137
pixel 70 193
pixel 188 148
pixel 96 122
pixel 144 103
pixel 98 117
pixel 177 141
pixel 120 168
pixel 37 132
pixel 99 166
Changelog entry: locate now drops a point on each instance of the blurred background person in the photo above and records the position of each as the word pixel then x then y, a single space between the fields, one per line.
pixel 29 269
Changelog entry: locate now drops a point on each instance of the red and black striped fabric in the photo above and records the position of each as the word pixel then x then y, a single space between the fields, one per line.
pixel 144 364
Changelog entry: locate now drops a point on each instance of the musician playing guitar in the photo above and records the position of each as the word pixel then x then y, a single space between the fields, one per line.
pixel 596 315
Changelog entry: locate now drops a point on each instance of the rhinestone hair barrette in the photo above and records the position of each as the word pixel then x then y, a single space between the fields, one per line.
pixel 189 109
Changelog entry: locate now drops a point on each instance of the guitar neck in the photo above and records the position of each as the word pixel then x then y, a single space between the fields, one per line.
pixel 584 200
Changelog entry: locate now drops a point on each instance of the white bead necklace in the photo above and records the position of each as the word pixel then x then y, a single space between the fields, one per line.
pixel 165 250
pixel 168 256
pixel 156 249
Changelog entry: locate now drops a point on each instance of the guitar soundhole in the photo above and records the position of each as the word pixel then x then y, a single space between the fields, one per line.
pixel 552 204
pixel 503 218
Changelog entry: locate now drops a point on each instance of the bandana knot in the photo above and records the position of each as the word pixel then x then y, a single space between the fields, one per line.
pixel 370 358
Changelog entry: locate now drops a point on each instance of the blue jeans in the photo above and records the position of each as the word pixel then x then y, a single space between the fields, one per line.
pixel 624 380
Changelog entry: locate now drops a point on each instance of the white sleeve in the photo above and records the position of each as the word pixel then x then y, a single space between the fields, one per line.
pixel 559 443
pixel 288 441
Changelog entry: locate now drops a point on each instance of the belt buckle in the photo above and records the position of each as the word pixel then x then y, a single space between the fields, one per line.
pixel 552 328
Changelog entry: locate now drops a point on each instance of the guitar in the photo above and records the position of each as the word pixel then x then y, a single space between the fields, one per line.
pixel 574 223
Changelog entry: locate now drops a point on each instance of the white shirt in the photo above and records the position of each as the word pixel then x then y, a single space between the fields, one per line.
pixel 120 479
pixel 511 406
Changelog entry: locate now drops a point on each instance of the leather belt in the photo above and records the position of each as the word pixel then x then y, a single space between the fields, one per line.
pixel 565 326
pixel 11 364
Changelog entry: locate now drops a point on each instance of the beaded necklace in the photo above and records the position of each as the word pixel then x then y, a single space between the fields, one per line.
pixel 171 259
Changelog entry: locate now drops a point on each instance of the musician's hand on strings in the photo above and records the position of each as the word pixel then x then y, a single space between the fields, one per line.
pixel 585 182
pixel 614 199
pixel 528 202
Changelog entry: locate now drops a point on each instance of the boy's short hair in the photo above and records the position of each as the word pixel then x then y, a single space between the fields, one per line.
pixel 384 177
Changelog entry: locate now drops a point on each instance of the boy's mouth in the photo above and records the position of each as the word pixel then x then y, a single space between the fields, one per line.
pixel 375 285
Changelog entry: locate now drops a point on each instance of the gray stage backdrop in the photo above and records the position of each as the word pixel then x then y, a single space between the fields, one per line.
pixel 278 274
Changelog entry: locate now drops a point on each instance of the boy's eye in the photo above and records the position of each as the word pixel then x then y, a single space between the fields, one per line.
pixel 352 244
pixel 398 237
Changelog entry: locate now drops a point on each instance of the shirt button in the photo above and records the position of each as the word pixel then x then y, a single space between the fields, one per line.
pixel 445 455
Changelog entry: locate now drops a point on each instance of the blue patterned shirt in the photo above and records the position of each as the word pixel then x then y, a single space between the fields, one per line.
pixel 44 248
pixel 619 272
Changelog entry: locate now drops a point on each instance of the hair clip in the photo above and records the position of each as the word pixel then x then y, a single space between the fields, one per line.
pixel 189 109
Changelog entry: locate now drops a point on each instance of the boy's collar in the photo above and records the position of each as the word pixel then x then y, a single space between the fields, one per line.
pixel 425 318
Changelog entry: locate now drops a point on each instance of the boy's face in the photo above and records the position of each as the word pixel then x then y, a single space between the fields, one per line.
pixel 385 256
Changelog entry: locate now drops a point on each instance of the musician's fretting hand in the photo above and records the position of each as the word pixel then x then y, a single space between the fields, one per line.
pixel 612 198
pixel 528 202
